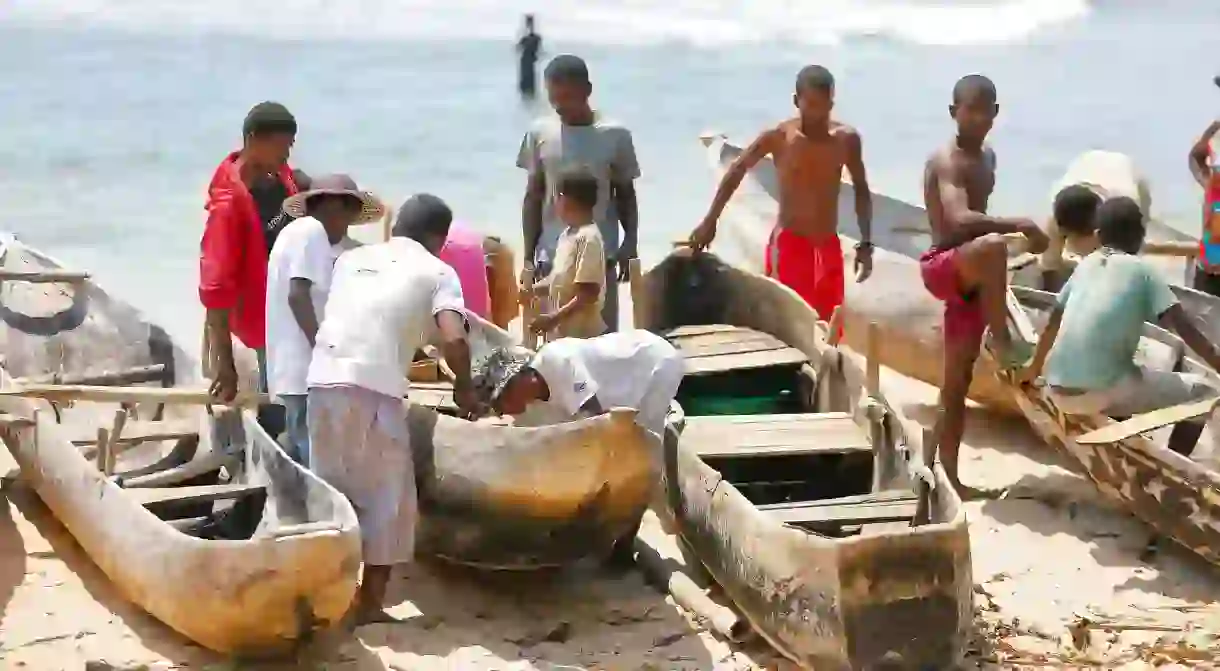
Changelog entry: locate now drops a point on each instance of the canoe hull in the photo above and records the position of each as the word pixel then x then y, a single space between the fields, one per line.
pixel 512 498
pixel 824 603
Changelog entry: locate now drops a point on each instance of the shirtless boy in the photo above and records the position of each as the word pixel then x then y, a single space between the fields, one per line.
pixel 967 266
pixel 810 153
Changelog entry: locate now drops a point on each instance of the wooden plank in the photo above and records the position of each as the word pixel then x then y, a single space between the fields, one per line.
pixel 775 435
pixel 43 276
pixel 136 431
pixel 837 512
pixel 1149 421
pixel 730 345
pixel 100 394
pixel 708 365
pixel 880 528
pixel 699 329
pixel 197 494
pixel 209 462
pixel 133 375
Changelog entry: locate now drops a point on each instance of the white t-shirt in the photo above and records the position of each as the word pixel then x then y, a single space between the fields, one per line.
pixel 625 369
pixel 302 250
pixel 383 305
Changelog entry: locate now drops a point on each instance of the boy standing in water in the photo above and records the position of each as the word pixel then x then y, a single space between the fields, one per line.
pixel 577 283
pixel 810 153
pixel 967 266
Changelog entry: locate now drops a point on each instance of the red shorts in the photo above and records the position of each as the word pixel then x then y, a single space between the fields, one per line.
pixel 811 268
pixel 964 320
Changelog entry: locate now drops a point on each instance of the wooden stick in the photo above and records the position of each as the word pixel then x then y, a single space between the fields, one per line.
pixel 872 361
pixel 923 490
pixel 43 276
pixel 529 310
pixel 639 308
pixel 836 327
pixel 666 574
pixel 97 394
pixel 116 430
pixel 1187 250
pixel 103 449
pixel 133 375
pixel 1113 433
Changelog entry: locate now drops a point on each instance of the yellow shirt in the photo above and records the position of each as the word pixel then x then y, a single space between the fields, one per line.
pixel 580 258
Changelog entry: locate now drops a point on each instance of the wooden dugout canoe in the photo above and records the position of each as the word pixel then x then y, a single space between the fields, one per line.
pixel 1175 495
pixel 894 297
pixel 515 498
pixel 200 519
pixel 815 562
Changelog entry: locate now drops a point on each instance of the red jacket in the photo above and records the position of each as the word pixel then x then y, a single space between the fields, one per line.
pixel 233 253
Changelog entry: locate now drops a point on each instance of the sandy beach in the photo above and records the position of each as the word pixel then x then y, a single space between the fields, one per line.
pixel 1047 557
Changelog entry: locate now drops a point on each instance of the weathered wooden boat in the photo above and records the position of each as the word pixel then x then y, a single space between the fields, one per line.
pixel 800 501
pixel 894 298
pixel 501 497
pixel 1177 496
pixel 197 516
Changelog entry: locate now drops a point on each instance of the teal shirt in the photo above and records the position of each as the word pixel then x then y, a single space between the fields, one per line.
pixel 1105 304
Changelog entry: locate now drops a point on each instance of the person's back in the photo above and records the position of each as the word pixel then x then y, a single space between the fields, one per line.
pixel 463 251
pixel 378 314
pixel 621 363
pixel 1105 305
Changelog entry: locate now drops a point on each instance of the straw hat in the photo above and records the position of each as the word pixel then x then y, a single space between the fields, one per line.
pixel 339 185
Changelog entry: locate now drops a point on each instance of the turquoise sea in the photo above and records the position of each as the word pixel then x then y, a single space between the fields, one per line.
pixel 114 113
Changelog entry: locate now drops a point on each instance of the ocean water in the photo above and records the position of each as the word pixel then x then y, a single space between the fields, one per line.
pixel 114 113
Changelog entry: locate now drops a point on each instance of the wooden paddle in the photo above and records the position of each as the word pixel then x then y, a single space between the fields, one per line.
pixel 1149 421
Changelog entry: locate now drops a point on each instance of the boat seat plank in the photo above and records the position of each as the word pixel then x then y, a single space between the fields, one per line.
pixel 196 494
pixel 202 464
pixel 718 348
pixel 135 431
pixel 877 508
pixel 744 436
pixel 438 395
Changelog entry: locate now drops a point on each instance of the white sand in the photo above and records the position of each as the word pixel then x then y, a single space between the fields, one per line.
pixel 1042 558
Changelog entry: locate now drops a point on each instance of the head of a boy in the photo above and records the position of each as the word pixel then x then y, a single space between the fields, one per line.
pixel 506 383
pixel 1075 211
pixel 1120 225
pixel 576 197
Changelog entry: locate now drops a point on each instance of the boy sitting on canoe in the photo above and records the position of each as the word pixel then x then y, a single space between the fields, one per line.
pixel 572 378
pixel 1089 344
pixel 576 286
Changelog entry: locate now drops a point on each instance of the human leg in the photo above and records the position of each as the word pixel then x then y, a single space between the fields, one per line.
pixel 270 415
pixel 296 427
pixel 960 356
pixel 1154 389
pixel 610 304
pixel 981 266
pixel 347 428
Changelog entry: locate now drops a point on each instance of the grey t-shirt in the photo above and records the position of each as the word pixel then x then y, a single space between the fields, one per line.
pixel 604 148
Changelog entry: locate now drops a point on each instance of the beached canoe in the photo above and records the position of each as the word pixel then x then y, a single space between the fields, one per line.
pixel 1128 461
pixel 503 497
pixel 910 318
pixel 793 480
pixel 199 518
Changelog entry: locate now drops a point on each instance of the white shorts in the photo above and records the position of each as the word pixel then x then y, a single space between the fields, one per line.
pixel 1145 391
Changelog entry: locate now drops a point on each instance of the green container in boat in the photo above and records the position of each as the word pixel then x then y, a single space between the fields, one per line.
pixel 735 405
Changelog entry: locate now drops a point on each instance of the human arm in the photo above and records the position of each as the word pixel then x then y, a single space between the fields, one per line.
pixel 219 261
pixel 762 146
pixel 965 224
pixel 1045 342
pixel 624 170
pixel 448 309
pixel 301 304
pixel 309 266
pixel 529 159
pixel 864 204
pixel 1200 152
pixel 1051 260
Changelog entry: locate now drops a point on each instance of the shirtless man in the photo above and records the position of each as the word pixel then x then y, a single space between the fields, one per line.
pixel 967 266
pixel 810 152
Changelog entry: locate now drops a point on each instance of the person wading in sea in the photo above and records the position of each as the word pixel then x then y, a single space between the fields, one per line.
pixel 967 266
pixel 578 137
pixel 810 153
pixel 528 48
pixel 245 201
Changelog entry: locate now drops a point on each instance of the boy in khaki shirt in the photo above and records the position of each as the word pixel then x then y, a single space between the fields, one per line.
pixel 576 286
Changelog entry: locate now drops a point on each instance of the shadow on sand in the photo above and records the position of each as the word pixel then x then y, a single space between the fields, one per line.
pixel 580 618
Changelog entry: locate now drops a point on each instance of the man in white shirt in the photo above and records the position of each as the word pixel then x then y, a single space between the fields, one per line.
pixel 386 301
pixel 298 280
pixel 580 377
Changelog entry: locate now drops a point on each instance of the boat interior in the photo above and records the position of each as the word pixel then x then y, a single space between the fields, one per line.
pixel 783 429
